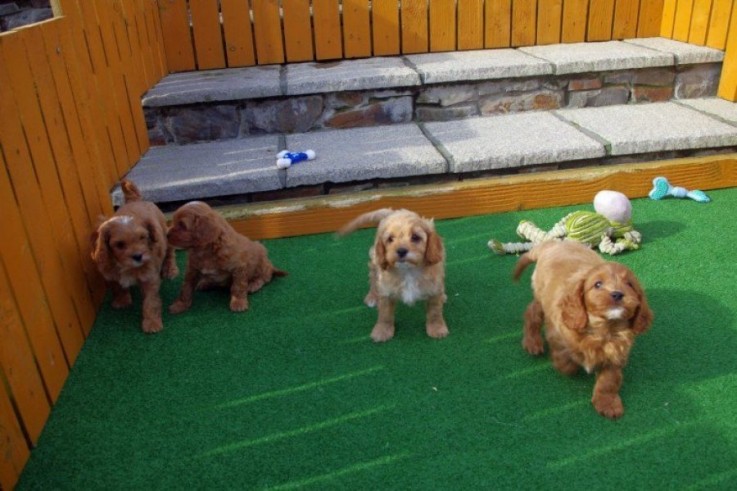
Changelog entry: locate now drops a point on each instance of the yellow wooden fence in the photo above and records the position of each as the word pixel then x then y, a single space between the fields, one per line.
pixel 71 125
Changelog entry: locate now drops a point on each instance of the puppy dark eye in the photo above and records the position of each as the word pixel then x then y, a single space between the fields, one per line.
pixel 415 238
pixel 598 284
pixel 142 237
pixel 390 239
pixel 120 245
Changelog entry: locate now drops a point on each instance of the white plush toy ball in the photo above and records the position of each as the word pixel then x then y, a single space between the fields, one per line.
pixel 613 205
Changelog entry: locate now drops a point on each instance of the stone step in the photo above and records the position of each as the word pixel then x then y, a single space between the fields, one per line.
pixel 296 98
pixel 245 170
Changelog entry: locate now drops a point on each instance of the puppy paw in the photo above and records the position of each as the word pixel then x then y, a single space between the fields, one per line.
pixel 238 304
pixel 170 271
pixel 609 406
pixel 372 300
pixel 150 326
pixel 178 307
pixel 382 333
pixel 438 330
pixel 533 345
pixel 122 301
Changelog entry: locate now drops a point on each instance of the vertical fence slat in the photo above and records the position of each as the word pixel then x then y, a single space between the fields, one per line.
pixel 728 82
pixel 178 38
pixel 135 31
pixel 649 22
pixel 625 19
pixel 575 13
pixel 470 24
pixel 328 38
pixel 238 33
pixel 719 23
pixel 669 18
pixel 18 365
pixel 549 20
pixel 700 22
pixel 601 16
pixel 498 24
pixel 267 30
pixel 14 452
pixel 414 26
pixel 356 30
pixel 442 25
pixel 682 21
pixel 297 30
pixel 154 40
pixel 524 22
pixel 385 21
pixel 207 35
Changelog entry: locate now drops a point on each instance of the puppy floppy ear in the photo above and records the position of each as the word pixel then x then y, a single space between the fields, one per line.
pixel 573 309
pixel 434 250
pixel 155 234
pixel 100 244
pixel 380 253
pixel 643 316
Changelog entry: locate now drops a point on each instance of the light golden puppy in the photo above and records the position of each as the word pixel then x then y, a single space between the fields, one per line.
pixel 218 257
pixel 592 310
pixel 131 248
pixel 407 264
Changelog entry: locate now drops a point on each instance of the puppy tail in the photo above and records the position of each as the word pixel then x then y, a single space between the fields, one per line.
pixel 524 261
pixel 130 191
pixel 278 272
pixel 372 217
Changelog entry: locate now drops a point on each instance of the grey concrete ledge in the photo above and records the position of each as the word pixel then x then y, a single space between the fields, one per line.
pixel 684 53
pixel 719 108
pixel 206 170
pixel 648 128
pixel 361 154
pixel 599 57
pixel 514 140
pixel 457 66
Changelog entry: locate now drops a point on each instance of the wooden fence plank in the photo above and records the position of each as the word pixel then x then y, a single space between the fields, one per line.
pixel 385 22
pixel 549 17
pixel 267 30
pixel 298 30
pixel 524 22
pixel 154 38
pixel 470 24
pixel 682 20
pixel 625 19
pixel 207 35
pixel 700 22
pixel 328 37
pixel 575 15
pixel 356 31
pixel 668 18
pixel 498 17
pixel 14 452
pixel 238 33
pixel 601 17
pixel 178 39
pixel 18 365
pixel 442 25
pixel 414 26
pixel 649 23
pixel 719 23
pixel 728 82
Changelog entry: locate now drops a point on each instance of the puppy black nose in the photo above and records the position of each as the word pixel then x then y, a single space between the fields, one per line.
pixel 401 252
pixel 137 257
pixel 617 296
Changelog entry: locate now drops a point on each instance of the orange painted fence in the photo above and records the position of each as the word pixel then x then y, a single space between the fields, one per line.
pixel 71 124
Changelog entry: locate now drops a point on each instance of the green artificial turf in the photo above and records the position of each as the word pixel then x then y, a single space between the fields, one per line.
pixel 293 393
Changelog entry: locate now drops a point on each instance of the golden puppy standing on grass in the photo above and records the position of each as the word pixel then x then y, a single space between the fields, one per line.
pixel 131 248
pixel 592 310
pixel 407 264
pixel 218 257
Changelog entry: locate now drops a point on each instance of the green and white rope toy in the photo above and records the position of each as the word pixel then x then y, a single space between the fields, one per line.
pixel 609 228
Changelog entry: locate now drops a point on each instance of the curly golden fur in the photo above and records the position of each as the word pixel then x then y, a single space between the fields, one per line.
pixel 131 248
pixel 592 310
pixel 218 257
pixel 407 264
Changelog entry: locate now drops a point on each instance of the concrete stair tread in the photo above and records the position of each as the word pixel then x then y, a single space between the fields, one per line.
pixel 248 165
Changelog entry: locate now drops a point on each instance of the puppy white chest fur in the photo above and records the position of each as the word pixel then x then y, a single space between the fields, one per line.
pixel 403 283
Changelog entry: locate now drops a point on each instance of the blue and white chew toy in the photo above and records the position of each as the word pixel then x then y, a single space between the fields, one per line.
pixel 286 159
pixel 662 189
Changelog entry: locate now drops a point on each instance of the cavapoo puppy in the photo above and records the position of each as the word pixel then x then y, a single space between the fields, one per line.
pixel 218 257
pixel 592 310
pixel 407 264
pixel 131 248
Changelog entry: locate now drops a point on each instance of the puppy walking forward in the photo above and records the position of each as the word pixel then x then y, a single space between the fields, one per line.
pixel 592 310
pixel 407 264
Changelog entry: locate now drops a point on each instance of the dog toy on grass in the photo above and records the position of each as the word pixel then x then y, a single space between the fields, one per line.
pixel 662 189
pixel 286 159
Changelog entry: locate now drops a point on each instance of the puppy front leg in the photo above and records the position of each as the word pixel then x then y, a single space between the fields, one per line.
pixel 532 339
pixel 184 301
pixel 151 306
pixel 239 291
pixel 169 269
pixel 606 398
pixel 384 328
pixel 435 324
pixel 121 296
